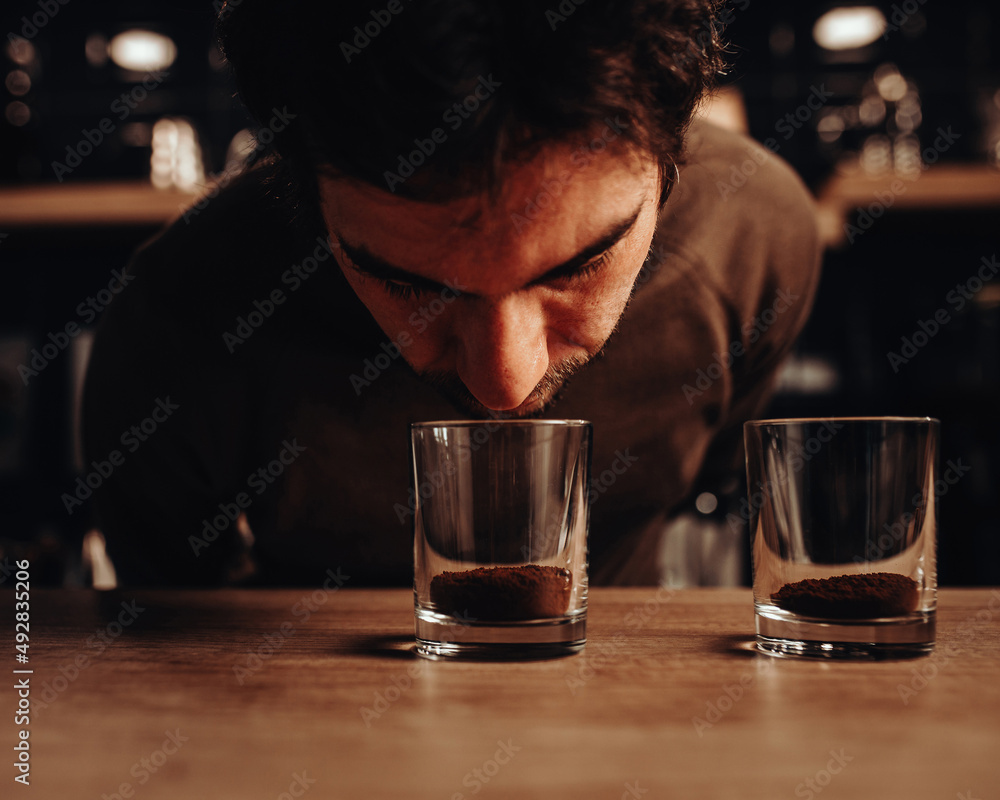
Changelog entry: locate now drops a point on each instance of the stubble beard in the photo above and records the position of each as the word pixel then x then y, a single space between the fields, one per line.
pixel 541 399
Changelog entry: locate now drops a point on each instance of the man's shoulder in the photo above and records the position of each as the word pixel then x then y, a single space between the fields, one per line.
pixel 737 177
pixel 725 255
pixel 238 228
pixel 740 219
pixel 244 240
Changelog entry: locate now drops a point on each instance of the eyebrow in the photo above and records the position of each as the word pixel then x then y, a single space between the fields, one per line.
pixel 372 265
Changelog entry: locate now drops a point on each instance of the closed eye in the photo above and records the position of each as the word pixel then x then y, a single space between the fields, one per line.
pixel 398 289
pixel 402 290
pixel 578 274
pixel 402 284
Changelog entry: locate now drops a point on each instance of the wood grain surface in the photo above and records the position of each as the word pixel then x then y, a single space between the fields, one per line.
pixel 290 693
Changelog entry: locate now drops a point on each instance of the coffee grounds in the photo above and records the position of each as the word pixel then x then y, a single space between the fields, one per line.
pixel 879 594
pixel 503 593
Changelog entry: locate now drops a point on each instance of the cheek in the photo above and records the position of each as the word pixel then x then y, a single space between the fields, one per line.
pixel 419 325
pixel 388 312
pixel 587 317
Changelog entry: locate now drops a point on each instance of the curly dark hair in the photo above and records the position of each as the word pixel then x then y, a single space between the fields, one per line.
pixel 368 82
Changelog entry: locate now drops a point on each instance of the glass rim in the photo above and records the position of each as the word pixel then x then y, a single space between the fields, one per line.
pixel 476 423
pixel 803 420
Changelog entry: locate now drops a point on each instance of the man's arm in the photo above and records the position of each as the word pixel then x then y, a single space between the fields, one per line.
pixel 171 416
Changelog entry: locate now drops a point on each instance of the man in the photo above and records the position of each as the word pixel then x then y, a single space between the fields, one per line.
pixel 478 209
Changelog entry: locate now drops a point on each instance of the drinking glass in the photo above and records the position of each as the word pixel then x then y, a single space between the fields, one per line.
pixel 843 531
pixel 500 537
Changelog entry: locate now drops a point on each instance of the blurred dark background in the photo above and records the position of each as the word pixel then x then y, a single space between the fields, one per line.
pixel 116 114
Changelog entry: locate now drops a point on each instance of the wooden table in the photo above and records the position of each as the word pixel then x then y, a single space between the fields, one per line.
pixel 256 694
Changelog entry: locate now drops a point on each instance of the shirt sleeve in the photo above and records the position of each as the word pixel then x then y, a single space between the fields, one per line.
pixel 168 417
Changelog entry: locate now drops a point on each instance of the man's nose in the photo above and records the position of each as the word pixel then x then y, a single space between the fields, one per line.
pixel 503 352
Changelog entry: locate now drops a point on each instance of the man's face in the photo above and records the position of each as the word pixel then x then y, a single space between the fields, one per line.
pixel 500 302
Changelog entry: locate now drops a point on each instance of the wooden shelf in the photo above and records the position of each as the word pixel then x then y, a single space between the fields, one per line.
pixel 941 188
pixel 123 203
pixel 110 203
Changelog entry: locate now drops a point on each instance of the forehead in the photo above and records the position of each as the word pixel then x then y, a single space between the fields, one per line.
pixel 547 210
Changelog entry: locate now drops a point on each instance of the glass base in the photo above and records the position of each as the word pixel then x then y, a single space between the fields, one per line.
pixel 443 637
pixel 782 634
